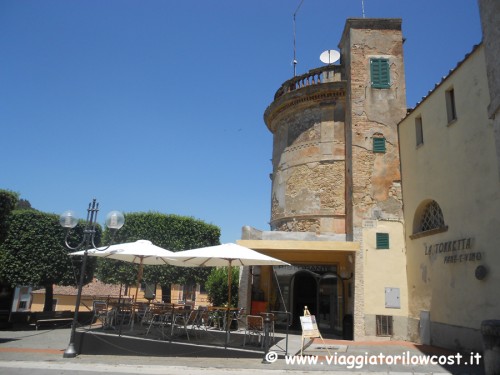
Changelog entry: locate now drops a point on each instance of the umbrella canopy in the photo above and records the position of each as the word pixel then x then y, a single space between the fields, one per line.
pixel 140 252
pixel 229 254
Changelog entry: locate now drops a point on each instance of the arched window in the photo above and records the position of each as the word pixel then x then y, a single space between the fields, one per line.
pixel 428 220
pixel 432 217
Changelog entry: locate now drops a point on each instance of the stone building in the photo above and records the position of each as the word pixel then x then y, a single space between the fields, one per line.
pixel 336 206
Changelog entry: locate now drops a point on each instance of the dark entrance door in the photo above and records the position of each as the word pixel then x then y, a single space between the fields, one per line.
pixel 329 312
pixel 305 293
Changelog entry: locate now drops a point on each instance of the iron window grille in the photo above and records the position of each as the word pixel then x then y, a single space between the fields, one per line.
pixel 432 217
pixel 384 325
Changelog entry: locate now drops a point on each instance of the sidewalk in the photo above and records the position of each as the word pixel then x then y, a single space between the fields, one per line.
pixel 43 349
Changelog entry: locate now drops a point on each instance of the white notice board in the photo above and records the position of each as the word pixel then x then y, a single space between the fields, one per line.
pixel 309 326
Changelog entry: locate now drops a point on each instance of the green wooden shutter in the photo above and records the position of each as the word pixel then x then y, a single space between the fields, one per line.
pixel 380 73
pixel 379 144
pixel 382 240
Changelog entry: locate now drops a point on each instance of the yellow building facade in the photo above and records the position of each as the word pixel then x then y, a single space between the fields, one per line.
pixel 451 197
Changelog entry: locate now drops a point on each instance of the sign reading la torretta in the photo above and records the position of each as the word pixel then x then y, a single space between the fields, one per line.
pixel 457 251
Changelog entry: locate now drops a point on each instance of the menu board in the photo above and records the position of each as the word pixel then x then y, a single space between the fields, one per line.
pixel 309 326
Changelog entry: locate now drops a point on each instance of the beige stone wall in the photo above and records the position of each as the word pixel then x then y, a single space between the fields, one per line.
pixel 456 166
pixel 385 268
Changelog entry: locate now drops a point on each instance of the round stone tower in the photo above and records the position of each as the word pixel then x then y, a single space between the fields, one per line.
pixel 308 179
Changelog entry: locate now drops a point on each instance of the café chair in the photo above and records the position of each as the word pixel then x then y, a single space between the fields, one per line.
pixel 254 328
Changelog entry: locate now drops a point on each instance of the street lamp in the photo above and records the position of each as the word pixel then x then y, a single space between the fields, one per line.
pixel 68 220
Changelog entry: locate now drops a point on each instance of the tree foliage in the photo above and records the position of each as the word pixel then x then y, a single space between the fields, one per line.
pixel 217 288
pixel 172 232
pixel 24 204
pixel 8 201
pixel 33 252
pixel 112 271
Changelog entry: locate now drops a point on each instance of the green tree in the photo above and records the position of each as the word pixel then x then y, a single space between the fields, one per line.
pixel 172 232
pixel 24 204
pixel 217 288
pixel 112 271
pixel 8 201
pixel 33 253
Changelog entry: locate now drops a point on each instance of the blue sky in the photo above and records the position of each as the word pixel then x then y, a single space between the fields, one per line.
pixel 158 105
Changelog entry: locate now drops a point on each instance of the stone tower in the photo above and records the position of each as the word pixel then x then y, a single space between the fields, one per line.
pixel 373 67
pixel 336 170
pixel 308 179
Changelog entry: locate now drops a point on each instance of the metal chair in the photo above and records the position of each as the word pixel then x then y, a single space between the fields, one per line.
pixel 254 327
pixel 100 309
pixel 140 311
pixel 159 316
pixel 184 318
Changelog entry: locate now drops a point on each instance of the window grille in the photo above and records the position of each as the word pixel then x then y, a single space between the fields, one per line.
pixel 432 218
pixel 384 325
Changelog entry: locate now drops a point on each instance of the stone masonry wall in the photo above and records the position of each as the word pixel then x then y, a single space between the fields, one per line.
pixel 373 179
pixel 308 192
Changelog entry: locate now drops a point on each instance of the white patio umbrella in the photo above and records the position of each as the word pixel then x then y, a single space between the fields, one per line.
pixel 140 252
pixel 228 255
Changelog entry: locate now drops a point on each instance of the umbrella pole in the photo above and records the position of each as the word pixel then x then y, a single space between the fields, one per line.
pixel 120 294
pixel 229 281
pixel 139 278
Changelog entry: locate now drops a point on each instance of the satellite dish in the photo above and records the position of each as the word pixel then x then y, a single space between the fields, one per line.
pixel 329 56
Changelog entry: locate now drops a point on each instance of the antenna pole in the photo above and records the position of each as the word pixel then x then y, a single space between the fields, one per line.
pixel 363 8
pixel 294 48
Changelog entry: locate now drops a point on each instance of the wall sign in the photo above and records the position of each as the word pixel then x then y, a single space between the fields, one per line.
pixel 457 251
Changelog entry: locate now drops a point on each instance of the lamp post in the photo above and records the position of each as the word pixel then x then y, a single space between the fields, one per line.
pixel 68 220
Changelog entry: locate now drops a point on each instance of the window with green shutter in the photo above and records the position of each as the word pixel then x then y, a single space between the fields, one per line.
pixel 382 240
pixel 379 144
pixel 380 73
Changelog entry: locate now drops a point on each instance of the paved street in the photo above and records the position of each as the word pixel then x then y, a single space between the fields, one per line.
pixel 40 352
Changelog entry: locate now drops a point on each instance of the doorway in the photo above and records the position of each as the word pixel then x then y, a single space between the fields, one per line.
pixel 329 303
pixel 305 292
